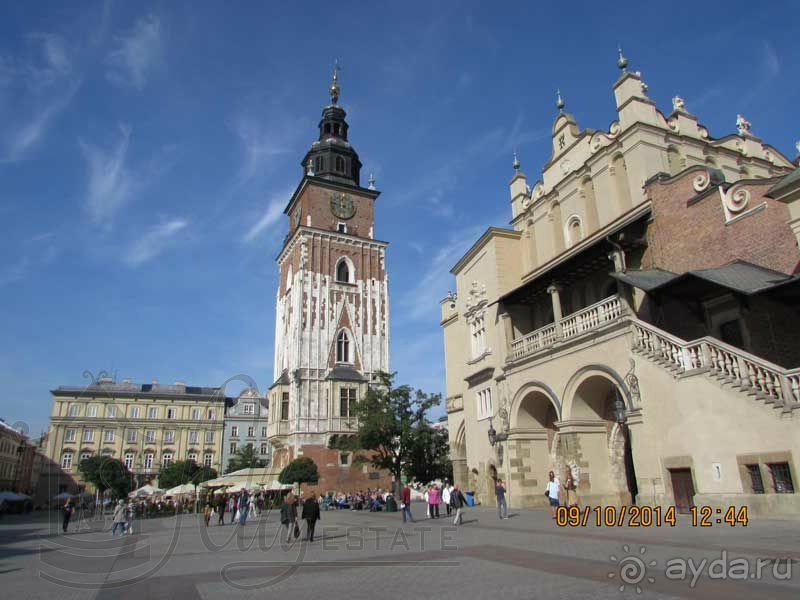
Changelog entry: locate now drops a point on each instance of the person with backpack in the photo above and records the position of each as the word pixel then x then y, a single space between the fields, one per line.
pixel 458 502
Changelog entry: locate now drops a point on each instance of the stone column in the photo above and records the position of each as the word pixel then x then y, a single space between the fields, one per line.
pixel 508 332
pixel 554 290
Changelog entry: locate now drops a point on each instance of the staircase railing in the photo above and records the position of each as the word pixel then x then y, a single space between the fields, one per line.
pixel 733 364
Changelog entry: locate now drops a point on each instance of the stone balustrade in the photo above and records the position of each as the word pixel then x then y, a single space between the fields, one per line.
pixel 573 325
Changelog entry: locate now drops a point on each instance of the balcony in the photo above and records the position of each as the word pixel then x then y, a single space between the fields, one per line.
pixel 588 319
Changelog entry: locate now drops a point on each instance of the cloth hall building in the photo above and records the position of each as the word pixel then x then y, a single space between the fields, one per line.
pixel 637 324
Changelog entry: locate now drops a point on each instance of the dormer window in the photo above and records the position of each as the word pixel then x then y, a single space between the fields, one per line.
pixel 342 347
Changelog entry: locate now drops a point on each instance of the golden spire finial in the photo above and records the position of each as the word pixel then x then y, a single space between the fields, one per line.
pixel 335 89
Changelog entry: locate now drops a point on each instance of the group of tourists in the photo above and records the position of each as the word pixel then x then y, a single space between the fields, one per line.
pixel 372 500
pixel 239 506
pixel 434 496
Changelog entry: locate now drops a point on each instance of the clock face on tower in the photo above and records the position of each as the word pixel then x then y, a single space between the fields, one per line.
pixel 342 205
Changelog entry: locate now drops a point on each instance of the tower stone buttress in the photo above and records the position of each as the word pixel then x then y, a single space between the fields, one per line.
pixel 332 309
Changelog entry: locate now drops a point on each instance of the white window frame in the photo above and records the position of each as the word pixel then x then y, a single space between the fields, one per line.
pixel 172 412
pixel 248 408
pixel 483 403
pixel 263 431
pixel 129 460
pixel 264 449
pixel 88 435
pixel 234 431
pixel 150 436
pixel 195 414
pixel 478 335
pixel 70 435
pixel 192 437
pixel 152 412
pixel 166 459
pixel 74 410
pixel 209 437
pixel 134 412
pixel 108 436
pixel 234 447
pixel 192 456
pixel 84 456
pixel 91 410
pixel 147 463
pixel 212 414
pixel 131 436
pixel 111 411
pixel 66 461
pixel 251 431
pixel 208 459
pixel 169 437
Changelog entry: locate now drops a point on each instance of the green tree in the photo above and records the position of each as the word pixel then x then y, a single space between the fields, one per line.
pixel 184 471
pixel 389 421
pixel 430 455
pixel 245 458
pixel 300 470
pixel 106 473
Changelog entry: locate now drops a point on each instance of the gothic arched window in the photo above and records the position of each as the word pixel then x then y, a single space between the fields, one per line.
pixel 343 271
pixel 320 164
pixel 342 347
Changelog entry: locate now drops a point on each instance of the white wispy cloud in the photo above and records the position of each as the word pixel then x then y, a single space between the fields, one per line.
pixel 269 217
pixel 136 53
pixel 772 63
pixel 157 239
pixel 422 301
pixel 38 84
pixel 109 183
pixel 15 271
pixel 259 143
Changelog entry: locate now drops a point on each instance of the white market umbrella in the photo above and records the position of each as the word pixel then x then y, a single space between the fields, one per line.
pixel 180 490
pixel 146 490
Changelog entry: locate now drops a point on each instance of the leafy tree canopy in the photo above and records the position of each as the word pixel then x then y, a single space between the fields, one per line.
pixel 430 455
pixel 107 473
pixel 390 420
pixel 245 458
pixel 300 470
pixel 184 471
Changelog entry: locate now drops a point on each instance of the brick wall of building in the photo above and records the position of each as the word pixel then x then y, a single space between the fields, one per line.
pixel 695 236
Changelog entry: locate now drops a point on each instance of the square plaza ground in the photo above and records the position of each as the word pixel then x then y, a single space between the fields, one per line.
pixel 373 555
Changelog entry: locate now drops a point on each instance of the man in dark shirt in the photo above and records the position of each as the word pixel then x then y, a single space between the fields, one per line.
pixel 500 493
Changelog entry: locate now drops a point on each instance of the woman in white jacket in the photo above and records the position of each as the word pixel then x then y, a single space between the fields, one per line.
pixel 446 497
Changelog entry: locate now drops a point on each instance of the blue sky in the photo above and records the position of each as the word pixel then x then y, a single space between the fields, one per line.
pixel 147 151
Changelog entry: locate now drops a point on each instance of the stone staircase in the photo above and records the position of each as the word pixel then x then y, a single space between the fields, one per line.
pixel 730 367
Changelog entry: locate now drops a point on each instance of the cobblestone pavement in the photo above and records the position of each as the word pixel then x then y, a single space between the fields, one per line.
pixel 369 555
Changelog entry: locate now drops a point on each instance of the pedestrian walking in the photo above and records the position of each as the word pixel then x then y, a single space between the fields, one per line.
pixel 446 497
pixel 252 512
pixel 405 504
pixel 552 492
pixel 207 511
pixel 119 518
pixel 232 508
pixel 289 515
pixel 242 508
pixel 500 494
pixel 221 504
pixel 311 515
pixel 570 490
pixel 457 501
pixel 131 511
pixel 67 514
pixel 433 502
pixel 426 498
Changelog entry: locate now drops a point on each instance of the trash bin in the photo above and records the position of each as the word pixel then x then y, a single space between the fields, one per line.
pixel 391 504
pixel 470 497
